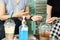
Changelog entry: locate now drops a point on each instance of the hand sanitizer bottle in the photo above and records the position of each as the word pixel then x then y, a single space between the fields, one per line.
pixel 23 30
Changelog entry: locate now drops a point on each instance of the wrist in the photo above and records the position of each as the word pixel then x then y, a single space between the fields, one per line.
pixel 30 17
pixel 55 17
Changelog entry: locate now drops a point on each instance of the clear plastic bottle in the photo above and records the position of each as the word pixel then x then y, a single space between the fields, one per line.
pixel 23 30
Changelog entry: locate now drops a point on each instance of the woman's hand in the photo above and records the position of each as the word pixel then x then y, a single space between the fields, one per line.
pixel 51 20
pixel 20 14
pixel 36 18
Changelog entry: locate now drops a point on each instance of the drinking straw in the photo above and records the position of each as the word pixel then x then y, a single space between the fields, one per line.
pixel 10 17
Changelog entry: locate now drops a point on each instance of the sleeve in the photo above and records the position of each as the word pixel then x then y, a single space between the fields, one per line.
pixel 1 1
pixel 50 2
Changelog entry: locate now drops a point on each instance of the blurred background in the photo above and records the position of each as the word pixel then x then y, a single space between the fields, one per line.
pixel 37 7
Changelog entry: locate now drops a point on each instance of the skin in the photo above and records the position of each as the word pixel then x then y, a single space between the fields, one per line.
pixel 19 14
pixel 50 19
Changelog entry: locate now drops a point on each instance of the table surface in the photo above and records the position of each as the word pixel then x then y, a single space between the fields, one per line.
pixel 31 37
pixel 15 38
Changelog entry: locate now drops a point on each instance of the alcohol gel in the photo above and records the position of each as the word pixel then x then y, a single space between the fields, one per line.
pixel 23 30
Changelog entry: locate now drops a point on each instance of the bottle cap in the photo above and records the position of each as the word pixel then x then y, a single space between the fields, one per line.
pixel 23 21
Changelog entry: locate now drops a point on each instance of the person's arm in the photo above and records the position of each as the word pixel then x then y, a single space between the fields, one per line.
pixel 28 16
pixel 19 14
pixel 2 12
pixel 49 19
pixel 49 8
pixel 24 12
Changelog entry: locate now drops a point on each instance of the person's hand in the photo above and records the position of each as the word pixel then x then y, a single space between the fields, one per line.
pixel 19 14
pixel 36 18
pixel 51 20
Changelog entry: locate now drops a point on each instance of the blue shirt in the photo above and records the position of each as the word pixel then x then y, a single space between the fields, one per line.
pixel 13 7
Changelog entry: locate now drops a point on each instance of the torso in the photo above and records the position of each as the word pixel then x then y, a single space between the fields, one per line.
pixel 16 1
pixel 15 6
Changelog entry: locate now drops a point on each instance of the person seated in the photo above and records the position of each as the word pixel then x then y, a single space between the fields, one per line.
pixel 19 8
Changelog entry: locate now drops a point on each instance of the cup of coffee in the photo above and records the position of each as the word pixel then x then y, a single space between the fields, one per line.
pixel 9 27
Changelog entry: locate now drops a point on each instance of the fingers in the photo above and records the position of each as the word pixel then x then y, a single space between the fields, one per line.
pixel 36 18
pixel 28 16
pixel 50 20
